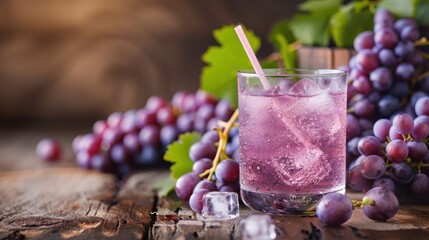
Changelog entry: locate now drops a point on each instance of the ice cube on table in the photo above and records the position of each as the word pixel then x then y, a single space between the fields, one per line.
pixel 258 227
pixel 305 87
pixel 220 206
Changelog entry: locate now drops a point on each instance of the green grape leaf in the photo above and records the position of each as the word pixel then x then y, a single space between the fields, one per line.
pixel 351 20
pixel 311 29
pixel 401 8
pixel 164 186
pixel 288 55
pixel 281 27
pixel 422 11
pixel 178 154
pixel 219 76
pixel 321 7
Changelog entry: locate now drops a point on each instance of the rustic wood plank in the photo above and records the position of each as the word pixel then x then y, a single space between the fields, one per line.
pixel 70 203
pixel 323 57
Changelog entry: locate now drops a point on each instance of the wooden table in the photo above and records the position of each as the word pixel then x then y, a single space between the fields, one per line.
pixel 39 201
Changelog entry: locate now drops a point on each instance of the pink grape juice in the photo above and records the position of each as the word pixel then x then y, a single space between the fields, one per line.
pixel 292 146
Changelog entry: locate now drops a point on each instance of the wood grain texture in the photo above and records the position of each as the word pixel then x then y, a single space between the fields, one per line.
pixel 323 57
pixel 70 203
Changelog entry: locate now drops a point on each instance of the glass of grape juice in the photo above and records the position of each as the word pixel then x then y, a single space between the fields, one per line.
pixel 292 138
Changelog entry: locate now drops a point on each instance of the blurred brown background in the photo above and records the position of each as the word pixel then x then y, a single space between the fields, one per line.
pixel 76 60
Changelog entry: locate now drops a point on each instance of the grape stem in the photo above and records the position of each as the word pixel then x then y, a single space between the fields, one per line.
pixel 365 201
pixel 221 148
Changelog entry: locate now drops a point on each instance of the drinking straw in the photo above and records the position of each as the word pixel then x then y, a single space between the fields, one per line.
pixel 251 55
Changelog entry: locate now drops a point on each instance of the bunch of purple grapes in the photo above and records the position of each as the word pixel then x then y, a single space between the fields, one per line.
pixel 138 138
pixel 192 186
pixel 383 73
pixel 397 157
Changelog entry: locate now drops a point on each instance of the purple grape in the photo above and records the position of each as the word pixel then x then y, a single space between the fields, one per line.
pixel 381 128
pixel 369 145
pixel 185 185
pixel 168 134
pixel 91 143
pixel 145 117
pixel 196 200
pixel 420 185
pixel 417 150
pixel 356 73
pixel 352 127
pixel 421 119
pixel 385 182
pixel 148 156
pixel 420 130
pixel 387 57
pixel 364 108
pixel 394 135
pixel 356 181
pixel 211 137
pixel 201 150
pixel 224 110
pixel 352 146
pixel 334 209
pixel 402 23
pixel 202 165
pixel 114 120
pixel 49 150
pixel 362 85
pixel 149 135
pixel 373 167
pixel 228 187
pixel 381 78
pixel 365 40
pixel 99 127
pixel 374 97
pixel 403 123
pixel 205 112
pixel 385 204
pixel 131 143
pixel 367 60
pixel 185 123
pixel 404 71
pixel 388 105
pixel 189 103
pixel 384 16
pixel 118 154
pixel 166 116
pixel 397 151
pixel 200 125
pixel 129 122
pixel 178 99
pixel 83 159
pixel 111 137
pixel 155 103
pixel 212 123
pixel 386 38
pixel 416 96
pixel 202 97
pixel 402 173
pixel 422 106
pixel 207 185
pixel 227 171
pixel 404 49
pixel 100 162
